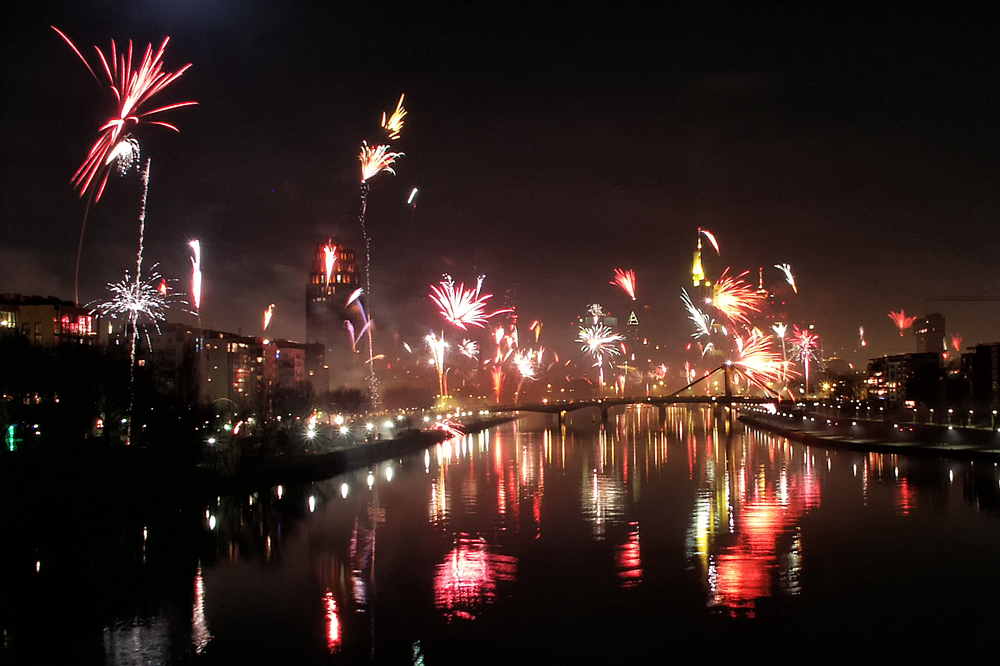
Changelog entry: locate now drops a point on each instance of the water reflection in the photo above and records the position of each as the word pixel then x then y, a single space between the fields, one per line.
pixel 512 531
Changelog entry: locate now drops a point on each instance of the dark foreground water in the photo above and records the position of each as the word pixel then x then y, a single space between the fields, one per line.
pixel 526 545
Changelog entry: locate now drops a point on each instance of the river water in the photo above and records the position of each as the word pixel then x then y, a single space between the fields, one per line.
pixel 698 541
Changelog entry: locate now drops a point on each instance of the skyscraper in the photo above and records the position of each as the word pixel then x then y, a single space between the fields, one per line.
pixel 929 332
pixel 330 320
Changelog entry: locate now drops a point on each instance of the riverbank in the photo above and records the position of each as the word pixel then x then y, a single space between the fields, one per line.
pixel 310 467
pixel 853 434
pixel 156 473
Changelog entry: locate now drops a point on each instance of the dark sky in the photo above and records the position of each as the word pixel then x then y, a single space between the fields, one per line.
pixel 551 142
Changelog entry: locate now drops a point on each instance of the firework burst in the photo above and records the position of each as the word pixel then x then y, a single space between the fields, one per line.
pixel 735 298
pixel 901 321
pixel 463 307
pixel 625 280
pixel 132 88
pixel 804 346
pixel 761 364
pixel 268 314
pixel 469 349
pixel 599 341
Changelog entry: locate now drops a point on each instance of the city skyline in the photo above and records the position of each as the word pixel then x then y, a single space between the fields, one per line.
pixel 855 144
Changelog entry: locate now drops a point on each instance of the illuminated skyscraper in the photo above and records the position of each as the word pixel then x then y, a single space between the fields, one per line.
pixel 333 278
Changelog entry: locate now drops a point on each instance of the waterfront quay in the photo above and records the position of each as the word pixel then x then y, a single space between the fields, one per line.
pixel 944 434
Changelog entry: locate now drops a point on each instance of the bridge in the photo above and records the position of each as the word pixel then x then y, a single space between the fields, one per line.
pixel 562 407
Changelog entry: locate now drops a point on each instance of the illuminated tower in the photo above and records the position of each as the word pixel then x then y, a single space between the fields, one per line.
pixel 332 280
pixel 697 272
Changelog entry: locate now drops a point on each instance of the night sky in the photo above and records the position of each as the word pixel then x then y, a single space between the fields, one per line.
pixel 551 142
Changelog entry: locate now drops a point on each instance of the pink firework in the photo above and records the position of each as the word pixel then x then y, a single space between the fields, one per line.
pixel 463 307
pixel 901 320
pixel 132 88
pixel 735 298
pixel 956 342
pixel 196 275
pixel 625 280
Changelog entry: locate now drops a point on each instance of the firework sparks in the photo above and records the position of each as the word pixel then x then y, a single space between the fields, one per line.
pixel 329 260
pixel 268 313
pixel 469 349
pixel 711 239
pixel 599 341
pixel 526 361
pixel 394 123
pixel 735 298
pixel 625 280
pixel 956 342
pixel 901 320
pixel 759 362
pixel 789 278
pixel 132 88
pixel 702 322
pixel 196 274
pixel 463 307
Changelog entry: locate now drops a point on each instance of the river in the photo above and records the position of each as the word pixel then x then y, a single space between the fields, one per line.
pixel 700 541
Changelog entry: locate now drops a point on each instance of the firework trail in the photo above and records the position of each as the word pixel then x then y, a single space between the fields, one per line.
pixel 355 339
pixel 438 346
pixel 625 280
pixel 804 346
pixel 268 313
pixel 536 326
pixel 599 341
pixel 789 278
pixel 463 307
pixel 780 329
pixel 735 298
pixel 711 239
pixel 497 377
pixel 861 336
pixel 956 342
pixel 132 88
pixel 136 297
pixel 901 320
pixel 394 123
pixel 196 276
pixel 329 260
pixel 373 161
